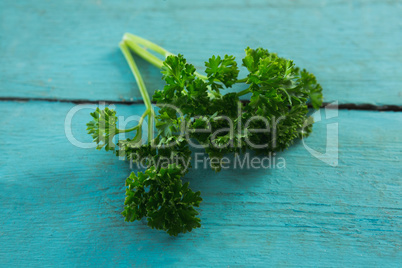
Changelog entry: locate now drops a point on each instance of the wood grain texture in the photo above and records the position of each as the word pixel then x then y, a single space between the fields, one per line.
pixel 60 205
pixel 68 50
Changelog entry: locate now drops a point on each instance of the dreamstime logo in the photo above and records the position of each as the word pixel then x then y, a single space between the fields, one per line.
pixel 233 131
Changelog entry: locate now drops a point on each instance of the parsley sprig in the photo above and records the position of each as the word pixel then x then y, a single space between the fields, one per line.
pixel 192 108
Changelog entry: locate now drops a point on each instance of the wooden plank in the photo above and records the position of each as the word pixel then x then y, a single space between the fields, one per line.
pixel 69 50
pixel 60 205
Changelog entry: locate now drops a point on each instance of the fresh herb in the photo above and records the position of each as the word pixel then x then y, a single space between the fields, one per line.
pixel 193 112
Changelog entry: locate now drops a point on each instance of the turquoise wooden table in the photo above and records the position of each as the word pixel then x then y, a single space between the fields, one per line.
pixel 60 204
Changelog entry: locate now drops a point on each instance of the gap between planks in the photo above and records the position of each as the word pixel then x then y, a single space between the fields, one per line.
pixel 343 106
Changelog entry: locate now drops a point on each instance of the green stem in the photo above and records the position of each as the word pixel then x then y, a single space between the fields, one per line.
pixel 244 80
pixel 203 77
pixel 141 85
pixel 134 42
pixel 137 75
pixel 151 119
pixel 137 126
pixel 118 131
pixel 243 92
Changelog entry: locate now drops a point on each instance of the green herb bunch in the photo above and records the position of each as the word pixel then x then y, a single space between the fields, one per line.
pixel 193 112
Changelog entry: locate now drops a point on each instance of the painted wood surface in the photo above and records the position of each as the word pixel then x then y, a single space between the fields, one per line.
pixel 60 205
pixel 68 49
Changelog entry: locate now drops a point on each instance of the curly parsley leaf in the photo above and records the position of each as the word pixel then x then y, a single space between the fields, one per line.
pixel 161 197
pixel 103 128
pixel 223 70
